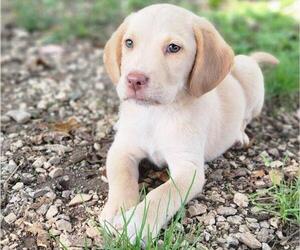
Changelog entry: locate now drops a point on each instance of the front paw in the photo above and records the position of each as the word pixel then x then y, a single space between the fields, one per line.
pixel 130 223
pixel 108 212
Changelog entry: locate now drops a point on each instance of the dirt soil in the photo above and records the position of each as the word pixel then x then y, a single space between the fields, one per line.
pixel 58 109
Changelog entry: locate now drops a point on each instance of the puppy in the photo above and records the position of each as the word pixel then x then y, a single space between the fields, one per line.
pixel 185 99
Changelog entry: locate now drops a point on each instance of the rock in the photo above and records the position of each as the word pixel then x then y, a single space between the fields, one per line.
pixel 197 209
pixel 64 225
pixel 56 172
pixel 274 152
pixel 80 198
pixel 75 241
pixel 39 162
pixel 263 235
pixel 265 246
pixel 54 160
pixel 226 211
pixel 10 218
pixel 66 194
pixel 236 220
pixel 249 240
pixel 292 171
pixel 264 224
pixel 52 211
pixel 92 232
pixel 241 200
pixel 18 186
pixel 40 192
pixel 276 164
pixel 16 145
pixel 209 219
pixel 232 241
pixel 274 222
pixel 217 175
pixel 27 178
pixel 42 210
pixel 20 116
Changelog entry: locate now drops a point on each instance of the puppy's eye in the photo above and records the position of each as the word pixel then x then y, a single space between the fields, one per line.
pixel 129 43
pixel 173 48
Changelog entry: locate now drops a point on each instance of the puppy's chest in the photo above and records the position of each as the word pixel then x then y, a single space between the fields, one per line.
pixel 153 142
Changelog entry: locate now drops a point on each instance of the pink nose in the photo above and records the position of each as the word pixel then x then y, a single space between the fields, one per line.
pixel 137 81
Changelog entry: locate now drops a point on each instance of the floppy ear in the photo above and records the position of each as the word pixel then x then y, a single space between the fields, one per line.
pixel 113 53
pixel 213 60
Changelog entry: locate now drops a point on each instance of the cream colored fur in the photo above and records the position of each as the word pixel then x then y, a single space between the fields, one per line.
pixel 196 106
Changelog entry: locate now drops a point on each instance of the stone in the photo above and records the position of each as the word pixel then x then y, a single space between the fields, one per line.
pixel 42 210
pixel 79 199
pixel 249 240
pixel 16 145
pixel 236 220
pixel 232 241
pixel 54 160
pixel 241 200
pixel 263 235
pixel 66 194
pixel 274 221
pixel 276 164
pixel 63 225
pixel 10 218
pixel 226 211
pixel 217 175
pixel 197 209
pixel 56 172
pixel 265 246
pixel 92 232
pixel 264 224
pixel 18 186
pixel 52 211
pixel 75 241
pixel 209 219
pixel 274 152
pixel 20 116
pixel 40 192
pixel 39 162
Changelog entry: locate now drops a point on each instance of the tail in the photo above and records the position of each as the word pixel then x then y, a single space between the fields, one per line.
pixel 264 58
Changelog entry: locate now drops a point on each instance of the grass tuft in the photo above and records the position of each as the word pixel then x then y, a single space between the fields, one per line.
pixel 280 200
pixel 173 237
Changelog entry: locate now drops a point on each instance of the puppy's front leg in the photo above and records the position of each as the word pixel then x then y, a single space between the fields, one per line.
pixel 163 202
pixel 122 174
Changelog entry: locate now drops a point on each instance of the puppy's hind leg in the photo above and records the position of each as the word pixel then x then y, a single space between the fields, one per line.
pixel 243 140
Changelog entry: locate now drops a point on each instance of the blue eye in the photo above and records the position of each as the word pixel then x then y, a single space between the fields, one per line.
pixel 129 43
pixel 173 48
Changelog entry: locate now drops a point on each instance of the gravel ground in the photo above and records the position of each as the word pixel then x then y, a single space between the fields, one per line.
pixel 58 112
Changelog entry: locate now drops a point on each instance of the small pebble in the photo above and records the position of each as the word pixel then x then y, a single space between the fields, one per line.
pixel 80 198
pixel 20 116
pixel 52 211
pixel 18 186
pixel 226 211
pixel 249 240
pixel 10 218
pixel 56 172
pixel 241 200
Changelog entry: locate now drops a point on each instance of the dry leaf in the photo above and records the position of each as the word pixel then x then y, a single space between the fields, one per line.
pixel 42 235
pixel 66 127
pixel 276 176
pixel 258 173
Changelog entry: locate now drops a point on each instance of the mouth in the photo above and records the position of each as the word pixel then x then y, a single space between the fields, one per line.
pixel 143 101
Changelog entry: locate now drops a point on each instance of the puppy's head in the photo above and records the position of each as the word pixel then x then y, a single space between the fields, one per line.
pixel 163 53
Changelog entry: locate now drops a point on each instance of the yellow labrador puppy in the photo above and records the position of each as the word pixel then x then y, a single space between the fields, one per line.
pixel 185 99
